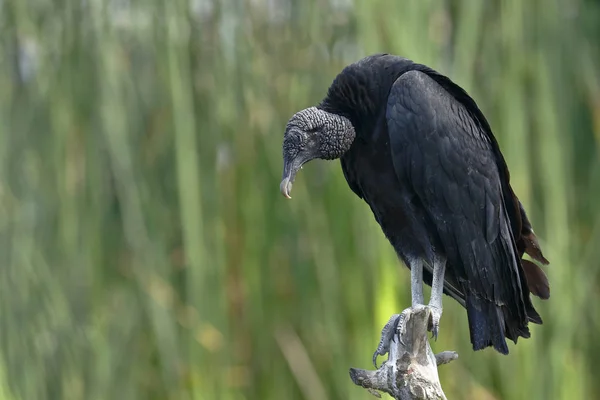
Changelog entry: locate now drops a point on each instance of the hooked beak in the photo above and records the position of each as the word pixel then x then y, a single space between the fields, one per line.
pixel 290 168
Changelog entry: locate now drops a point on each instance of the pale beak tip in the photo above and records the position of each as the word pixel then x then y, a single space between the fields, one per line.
pixel 285 187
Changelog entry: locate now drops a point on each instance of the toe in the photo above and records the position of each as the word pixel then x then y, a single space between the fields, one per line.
pixel 436 315
pixel 387 335
pixel 434 332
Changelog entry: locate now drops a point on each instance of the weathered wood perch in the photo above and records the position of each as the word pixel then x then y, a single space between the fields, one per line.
pixel 410 372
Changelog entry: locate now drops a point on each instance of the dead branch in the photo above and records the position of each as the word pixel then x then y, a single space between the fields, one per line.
pixel 410 372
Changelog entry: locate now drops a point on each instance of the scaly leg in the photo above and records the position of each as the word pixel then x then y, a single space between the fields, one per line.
pixel 437 291
pixel 416 283
pixel 395 322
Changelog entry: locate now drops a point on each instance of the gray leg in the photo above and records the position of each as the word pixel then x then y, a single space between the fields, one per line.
pixel 416 282
pixel 395 322
pixel 437 291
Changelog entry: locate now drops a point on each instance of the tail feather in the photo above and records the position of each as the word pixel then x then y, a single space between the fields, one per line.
pixel 486 324
pixel 537 281
pixel 490 324
pixel 532 314
pixel 532 247
pixel 527 243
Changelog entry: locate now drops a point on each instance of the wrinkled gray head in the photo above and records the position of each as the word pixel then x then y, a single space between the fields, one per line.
pixel 313 133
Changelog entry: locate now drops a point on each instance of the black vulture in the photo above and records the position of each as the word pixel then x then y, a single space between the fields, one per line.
pixel 417 149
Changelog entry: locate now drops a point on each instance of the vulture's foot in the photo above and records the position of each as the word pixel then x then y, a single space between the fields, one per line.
pixel 394 328
pixel 395 325
pixel 435 317
pixel 387 335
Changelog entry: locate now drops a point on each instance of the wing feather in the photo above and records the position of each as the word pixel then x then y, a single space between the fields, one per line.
pixel 442 154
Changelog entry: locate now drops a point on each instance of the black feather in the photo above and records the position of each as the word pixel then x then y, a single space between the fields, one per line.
pixel 428 165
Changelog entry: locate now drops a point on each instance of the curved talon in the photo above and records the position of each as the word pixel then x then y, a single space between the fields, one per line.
pixel 375 359
pixel 436 316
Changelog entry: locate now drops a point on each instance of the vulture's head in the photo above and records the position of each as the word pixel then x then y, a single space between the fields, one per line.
pixel 313 133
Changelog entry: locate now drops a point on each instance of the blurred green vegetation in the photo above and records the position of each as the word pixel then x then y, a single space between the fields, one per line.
pixel 148 254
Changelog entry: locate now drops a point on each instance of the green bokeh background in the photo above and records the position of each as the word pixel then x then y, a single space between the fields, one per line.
pixel 146 252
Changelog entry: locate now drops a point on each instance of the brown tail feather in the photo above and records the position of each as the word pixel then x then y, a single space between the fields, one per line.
pixel 536 280
pixel 532 247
